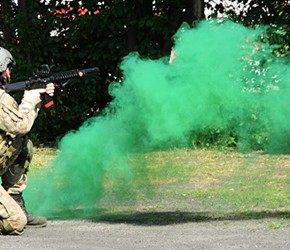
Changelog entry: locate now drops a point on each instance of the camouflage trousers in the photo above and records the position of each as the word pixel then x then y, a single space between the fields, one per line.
pixel 14 181
pixel 12 217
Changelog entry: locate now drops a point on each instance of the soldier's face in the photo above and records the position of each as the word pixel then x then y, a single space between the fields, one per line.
pixel 5 78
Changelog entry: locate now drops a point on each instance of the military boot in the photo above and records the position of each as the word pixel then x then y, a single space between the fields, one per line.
pixel 32 220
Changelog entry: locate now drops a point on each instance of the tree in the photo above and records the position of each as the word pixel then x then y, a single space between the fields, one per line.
pixel 276 14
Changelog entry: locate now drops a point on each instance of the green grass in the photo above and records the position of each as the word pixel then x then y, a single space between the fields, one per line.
pixel 194 185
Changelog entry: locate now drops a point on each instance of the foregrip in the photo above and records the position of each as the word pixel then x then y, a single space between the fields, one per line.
pixel 62 76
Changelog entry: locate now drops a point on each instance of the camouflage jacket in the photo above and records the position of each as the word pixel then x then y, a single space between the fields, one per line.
pixel 16 119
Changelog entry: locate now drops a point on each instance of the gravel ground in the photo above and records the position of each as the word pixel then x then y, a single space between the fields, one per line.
pixel 84 234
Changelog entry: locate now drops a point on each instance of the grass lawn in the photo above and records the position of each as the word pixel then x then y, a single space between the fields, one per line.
pixel 186 184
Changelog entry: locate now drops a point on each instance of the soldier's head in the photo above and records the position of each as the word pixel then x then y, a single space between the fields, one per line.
pixel 6 63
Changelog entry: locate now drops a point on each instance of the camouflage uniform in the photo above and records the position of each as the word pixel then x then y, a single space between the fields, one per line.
pixel 15 156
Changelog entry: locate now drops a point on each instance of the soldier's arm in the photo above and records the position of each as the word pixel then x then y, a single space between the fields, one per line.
pixel 18 119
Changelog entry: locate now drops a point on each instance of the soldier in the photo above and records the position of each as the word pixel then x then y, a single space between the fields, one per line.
pixel 16 151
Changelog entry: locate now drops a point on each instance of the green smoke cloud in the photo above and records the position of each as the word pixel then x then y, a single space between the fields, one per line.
pixel 223 78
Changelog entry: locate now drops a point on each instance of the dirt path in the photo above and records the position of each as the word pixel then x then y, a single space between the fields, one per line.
pixel 218 235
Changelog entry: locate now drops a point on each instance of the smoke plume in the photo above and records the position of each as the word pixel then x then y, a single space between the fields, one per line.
pixel 224 78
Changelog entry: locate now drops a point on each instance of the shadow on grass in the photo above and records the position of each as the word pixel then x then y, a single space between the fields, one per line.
pixel 160 217
pixel 168 218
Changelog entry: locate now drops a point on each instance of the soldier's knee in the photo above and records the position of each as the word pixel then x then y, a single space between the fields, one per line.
pixel 18 224
pixel 13 226
pixel 12 217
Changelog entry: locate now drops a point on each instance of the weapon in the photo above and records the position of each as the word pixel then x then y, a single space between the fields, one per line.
pixel 41 77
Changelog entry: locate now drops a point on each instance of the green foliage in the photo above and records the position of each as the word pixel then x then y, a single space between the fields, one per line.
pixel 213 138
pixel 273 13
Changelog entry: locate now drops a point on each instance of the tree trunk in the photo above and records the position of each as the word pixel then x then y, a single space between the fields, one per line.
pixel 198 9
pixel 23 10
pixel 190 11
pixel 194 10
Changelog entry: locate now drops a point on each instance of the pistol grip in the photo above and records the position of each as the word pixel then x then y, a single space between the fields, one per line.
pixel 47 100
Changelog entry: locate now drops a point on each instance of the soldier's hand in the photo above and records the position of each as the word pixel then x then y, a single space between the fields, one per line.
pixel 33 95
pixel 50 89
